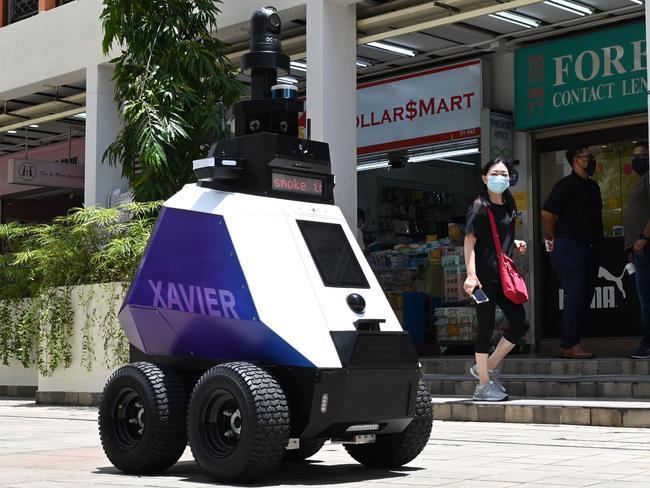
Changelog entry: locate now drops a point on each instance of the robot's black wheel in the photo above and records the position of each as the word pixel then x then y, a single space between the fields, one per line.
pixel 238 422
pixel 394 450
pixel 142 418
pixel 306 450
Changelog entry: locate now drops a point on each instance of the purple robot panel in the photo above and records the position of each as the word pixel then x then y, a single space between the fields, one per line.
pixel 190 297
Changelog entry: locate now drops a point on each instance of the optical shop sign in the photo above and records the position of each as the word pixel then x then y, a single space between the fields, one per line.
pixel 437 105
pixel 580 78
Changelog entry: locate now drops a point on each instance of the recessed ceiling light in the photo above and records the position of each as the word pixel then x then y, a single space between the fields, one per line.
pixel 374 165
pixel 363 63
pixel 12 132
pixel 392 48
pixel 569 6
pixel 35 126
pixel 298 65
pixel 639 2
pixel 516 19
pixel 82 115
pixel 287 79
pixel 443 155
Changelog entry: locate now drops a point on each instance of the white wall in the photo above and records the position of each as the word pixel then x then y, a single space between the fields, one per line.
pixel 76 378
pixel 102 127
pixel 53 47
pixel 16 375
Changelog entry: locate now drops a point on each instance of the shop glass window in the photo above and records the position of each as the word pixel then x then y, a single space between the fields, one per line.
pixel 614 175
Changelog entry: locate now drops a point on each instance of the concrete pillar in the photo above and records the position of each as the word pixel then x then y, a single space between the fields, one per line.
pixel 331 92
pixel 102 126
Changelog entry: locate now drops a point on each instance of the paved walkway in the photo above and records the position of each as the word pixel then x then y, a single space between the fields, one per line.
pixel 58 447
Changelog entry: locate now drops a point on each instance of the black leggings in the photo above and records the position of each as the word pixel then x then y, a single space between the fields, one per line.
pixel 515 314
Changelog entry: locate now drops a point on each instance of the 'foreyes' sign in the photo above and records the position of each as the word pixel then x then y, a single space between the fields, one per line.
pixel 436 105
pixel 584 77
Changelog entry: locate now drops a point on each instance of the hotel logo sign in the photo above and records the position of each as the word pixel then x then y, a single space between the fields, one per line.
pixel 45 173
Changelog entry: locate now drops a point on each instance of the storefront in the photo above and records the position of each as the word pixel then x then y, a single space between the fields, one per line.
pixel 420 139
pixel 41 183
pixel 586 89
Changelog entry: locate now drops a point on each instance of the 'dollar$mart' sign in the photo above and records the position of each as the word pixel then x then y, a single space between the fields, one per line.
pixel 580 78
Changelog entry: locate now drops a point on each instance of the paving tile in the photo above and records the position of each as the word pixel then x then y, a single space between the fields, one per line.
pixel 519 414
pixel 641 390
pixel 562 390
pixel 610 367
pixel 615 390
pixel 586 390
pixel 636 418
pixel 537 389
pixel 442 411
pixel 575 416
pixel 465 388
pixel 464 412
pixel 606 417
pixel 547 415
pixel 539 367
pixel 516 388
pixel 491 413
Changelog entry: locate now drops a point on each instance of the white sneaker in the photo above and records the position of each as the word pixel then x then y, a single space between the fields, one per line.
pixel 489 393
pixel 492 373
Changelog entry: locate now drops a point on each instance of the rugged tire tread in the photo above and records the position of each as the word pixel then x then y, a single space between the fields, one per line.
pixel 164 433
pixel 394 450
pixel 306 450
pixel 271 422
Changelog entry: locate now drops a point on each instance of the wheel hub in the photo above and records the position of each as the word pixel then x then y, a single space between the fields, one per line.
pixel 128 418
pixel 221 423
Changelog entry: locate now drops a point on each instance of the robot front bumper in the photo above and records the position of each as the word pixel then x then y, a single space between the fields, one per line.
pixel 373 393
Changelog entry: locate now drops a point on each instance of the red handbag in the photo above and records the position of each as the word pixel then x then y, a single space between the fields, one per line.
pixel 513 284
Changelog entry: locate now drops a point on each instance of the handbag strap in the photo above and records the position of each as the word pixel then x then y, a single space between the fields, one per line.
pixel 495 233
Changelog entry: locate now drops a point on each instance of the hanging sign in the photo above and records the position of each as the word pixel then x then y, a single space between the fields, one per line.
pixel 579 78
pixel 501 136
pixel 436 105
pixel 45 173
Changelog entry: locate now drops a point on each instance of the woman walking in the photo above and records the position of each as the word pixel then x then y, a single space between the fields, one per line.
pixel 483 272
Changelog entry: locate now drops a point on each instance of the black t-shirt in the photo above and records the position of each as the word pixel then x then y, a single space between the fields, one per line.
pixel 577 203
pixel 485 253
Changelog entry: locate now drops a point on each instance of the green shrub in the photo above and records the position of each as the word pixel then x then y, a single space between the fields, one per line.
pixel 41 264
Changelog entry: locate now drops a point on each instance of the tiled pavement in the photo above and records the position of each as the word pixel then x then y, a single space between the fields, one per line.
pixel 45 447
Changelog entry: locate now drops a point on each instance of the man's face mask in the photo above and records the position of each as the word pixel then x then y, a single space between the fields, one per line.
pixel 591 165
pixel 640 164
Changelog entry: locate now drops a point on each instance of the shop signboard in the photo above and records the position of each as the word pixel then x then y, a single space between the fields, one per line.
pixel 45 173
pixel 578 78
pixel 436 105
pixel 501 136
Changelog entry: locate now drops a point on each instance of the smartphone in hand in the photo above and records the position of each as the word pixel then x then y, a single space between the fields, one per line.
pixel 479 296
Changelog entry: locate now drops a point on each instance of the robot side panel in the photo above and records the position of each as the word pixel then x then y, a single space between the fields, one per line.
pixel 190 296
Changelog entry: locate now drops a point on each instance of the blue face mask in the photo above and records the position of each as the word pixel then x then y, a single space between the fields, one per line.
pixel 498 184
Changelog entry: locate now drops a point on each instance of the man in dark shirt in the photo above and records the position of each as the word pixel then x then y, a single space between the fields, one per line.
pixel 573 229
pixel 637 234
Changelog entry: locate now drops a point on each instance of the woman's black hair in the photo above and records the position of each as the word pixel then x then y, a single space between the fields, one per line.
pixel 508 199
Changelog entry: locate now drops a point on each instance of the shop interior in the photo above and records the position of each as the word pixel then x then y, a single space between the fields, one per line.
pixel 414 203
pixel 43 127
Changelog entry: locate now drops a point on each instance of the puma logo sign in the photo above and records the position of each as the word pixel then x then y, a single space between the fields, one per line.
pixel 618 281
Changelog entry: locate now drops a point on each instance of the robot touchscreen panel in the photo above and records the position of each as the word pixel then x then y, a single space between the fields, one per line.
pixel 334 258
